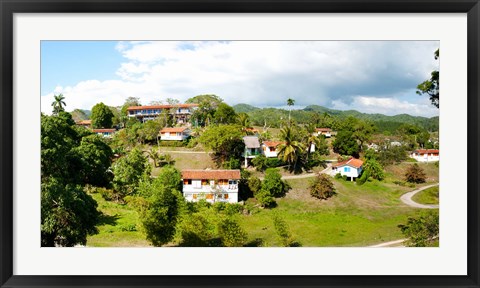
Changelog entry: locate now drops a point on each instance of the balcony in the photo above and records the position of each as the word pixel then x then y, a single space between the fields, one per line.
pixel 252 154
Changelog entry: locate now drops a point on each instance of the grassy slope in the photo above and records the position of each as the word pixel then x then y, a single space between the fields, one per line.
pixel 427 196
pixel 116 220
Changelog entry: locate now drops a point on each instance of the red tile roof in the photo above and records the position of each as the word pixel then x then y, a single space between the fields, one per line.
pixel 272 143
pixel 84 122
pixel 353 162
pixel 173 130
pixel 103 130
pixel 166 106
pixel 211 174
pixel 427 151
pixel 323 129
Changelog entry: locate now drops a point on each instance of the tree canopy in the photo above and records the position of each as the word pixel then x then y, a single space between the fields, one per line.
pixel 102 116
pixel 431 86
pixel 224 140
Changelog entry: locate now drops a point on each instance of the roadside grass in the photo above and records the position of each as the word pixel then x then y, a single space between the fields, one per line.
pixel 119 226
pixel 427 196
pixel 397 172
pixel 355 216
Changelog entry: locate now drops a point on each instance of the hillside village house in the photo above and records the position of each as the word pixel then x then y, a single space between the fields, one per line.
pixel 426 155
pixel 84 123
pixel 269 148
pixel 211 185
pixel 175 133
pixel 107 133
pixel 327 132
pixel 252 148
pixel 181 112
pixel 352 168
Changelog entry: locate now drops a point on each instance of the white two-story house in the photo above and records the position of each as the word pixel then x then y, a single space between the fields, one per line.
pixel 352 168
pixel 174 133
pixel 180 112
pixel 211 185
pixel 107 133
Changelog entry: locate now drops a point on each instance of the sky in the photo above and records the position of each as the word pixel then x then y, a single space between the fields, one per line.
pixel 367 76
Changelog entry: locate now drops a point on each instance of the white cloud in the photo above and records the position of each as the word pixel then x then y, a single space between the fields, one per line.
pixel 261 73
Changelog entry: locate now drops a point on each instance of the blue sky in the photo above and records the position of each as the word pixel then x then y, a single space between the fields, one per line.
pixel 368 76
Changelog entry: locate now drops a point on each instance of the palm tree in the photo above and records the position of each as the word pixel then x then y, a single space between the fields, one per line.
pixel 244 120
pixel 291 150
pixel 290 102
pixel 311 138
pixel 154 155
pixel 58 104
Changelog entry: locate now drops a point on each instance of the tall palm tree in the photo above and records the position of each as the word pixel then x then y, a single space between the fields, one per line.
pixel 311 138
pixel 58 104
pixel 290 102
pixel 291 150
pixel 244 120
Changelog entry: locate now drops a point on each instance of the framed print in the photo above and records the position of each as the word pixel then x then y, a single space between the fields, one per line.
pixel 233 143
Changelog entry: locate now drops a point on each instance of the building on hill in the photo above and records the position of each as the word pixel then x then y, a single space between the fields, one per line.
pixel 426 155
pixel 270 148
pixel 180 112
pixel 107 133
pixel 327 132
pixel 252 148
pixel 175 133
pixel 352 168
pixel 84 123
pixel 211 185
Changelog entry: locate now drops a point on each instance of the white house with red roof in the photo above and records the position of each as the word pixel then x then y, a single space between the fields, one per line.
pixel 270 148
pixel 327 132
pixel 351 168
pixel 181 112
pixel 426 155
pixel 211 185
pixel 107 133
pixel 174 133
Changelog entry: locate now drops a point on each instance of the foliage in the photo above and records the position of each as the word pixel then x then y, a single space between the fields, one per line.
pixel 322 187
pixel 232 163
pixel 128 171
pixel 255 184
pixel 231 233
pixel 345 144
pixel 225 141
pixel 265 198
pixel 159 218
pixel 225 114
pixel 387 154
pixel 102 116
pixel 58 104
pixel 169 177
pixel 283 231
pixel 415 174
pixel 204 114
pixel 422 231
pixel 431 86
pixel 68 214
pixel 274 184
pixel 371 169
pixel 92 161
pixel 291 150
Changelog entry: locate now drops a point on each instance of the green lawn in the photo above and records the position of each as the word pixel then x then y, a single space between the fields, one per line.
pixel 355 216
pixel 427 196
pixel 118 226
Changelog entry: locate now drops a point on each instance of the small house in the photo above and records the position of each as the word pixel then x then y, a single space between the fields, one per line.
pixel 327 132
pixel 252 148
pixel 352 168
pixel 174 134
pixel 269 148
pixel 107 133
pixel 211 185
pixel 426 155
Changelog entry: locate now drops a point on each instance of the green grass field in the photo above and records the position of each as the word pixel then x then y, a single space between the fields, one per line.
pixel 427 196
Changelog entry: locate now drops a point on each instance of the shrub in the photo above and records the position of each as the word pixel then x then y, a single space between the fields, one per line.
pixel 322 187
pixel 231 233
pixel 274 184
pixel 171 143
pixel 265 198
pixel 283 232
pixel 338 176
pixel 232 163
pixel 422 231
pixel 255 184
pixel 415 174
pixel 260 162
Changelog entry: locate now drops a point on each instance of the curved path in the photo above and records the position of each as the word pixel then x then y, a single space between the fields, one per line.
pixel 407 198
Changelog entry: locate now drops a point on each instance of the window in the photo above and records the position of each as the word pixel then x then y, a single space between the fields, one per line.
pixel 197 184
pixel 223 181
pixel 210 196
pixel 194 196
pixel 187 181
pixel 272 149
pixel 346 169
pixel 232 182
pixel 225 196
pixel 204 182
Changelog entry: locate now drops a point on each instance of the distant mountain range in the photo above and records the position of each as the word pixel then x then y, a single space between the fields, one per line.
pixel 383 122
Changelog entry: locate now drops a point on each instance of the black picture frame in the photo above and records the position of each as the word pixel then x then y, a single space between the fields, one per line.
pixel 9 7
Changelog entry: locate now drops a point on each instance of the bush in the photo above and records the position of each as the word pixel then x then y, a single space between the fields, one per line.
pixel 338 176
pixel 260 163
pixel 283 232
pixel 231 233
pixel 322 187
pixel 415 174
pixel 274 184
pixel 171 143
pixel 265 198
pixel 422 231
pixel 255 184
pixel 232 163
